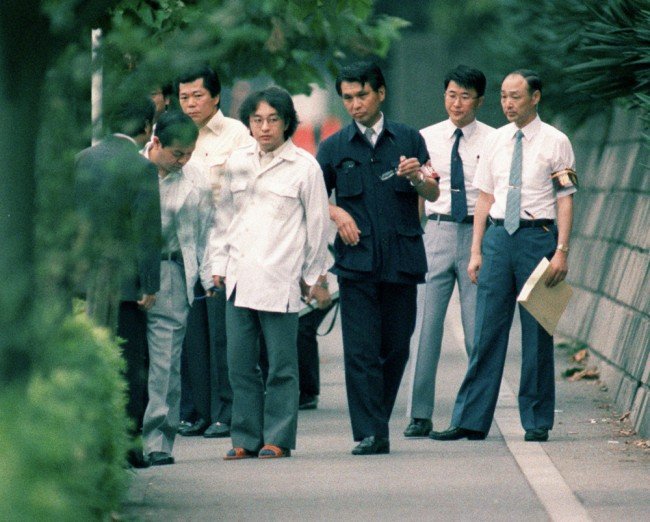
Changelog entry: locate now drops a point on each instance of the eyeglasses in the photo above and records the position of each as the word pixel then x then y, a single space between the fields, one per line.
pixel 464 97
pixel 258 121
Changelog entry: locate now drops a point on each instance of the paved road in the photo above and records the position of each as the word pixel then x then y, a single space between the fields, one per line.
pixel 587 471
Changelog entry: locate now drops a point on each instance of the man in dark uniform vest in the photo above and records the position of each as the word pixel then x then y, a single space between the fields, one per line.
pixel 375 167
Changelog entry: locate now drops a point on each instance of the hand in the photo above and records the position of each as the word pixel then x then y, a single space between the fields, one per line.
pixel 346 225
pixel 475 262
pixel 218 282
pixel 321 295
pixel 409 168
pixel 558 269
pixel 147 301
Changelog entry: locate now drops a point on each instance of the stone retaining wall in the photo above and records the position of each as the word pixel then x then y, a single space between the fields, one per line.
pixel 610 258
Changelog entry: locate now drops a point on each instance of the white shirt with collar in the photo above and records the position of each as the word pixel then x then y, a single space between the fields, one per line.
pixel 440 140
pixel 271 227
pixel 217 139
pixel 545 150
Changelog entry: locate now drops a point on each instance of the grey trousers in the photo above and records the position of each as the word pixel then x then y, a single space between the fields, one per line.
pixel 262 413
pixel 166 323
pixel 447 246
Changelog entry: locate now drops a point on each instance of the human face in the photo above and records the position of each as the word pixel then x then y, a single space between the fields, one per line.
pixel 362 102
pixel 160 101
pixel 267 127
pixel 519 106
pixel 171 158
pixel 461 104
pixel 197 102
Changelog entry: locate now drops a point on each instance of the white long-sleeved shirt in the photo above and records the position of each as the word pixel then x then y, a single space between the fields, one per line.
pixel 440 140
pixel 545 150
pixel 271 228
pixel 217 139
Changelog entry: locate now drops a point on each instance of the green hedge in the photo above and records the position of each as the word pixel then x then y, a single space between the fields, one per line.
pixel 63 435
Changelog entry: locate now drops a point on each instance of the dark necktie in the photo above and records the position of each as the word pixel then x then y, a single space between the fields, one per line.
pixel 458 197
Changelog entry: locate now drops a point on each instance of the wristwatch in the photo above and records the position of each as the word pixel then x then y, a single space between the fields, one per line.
pixel 562 248
pixel 419 181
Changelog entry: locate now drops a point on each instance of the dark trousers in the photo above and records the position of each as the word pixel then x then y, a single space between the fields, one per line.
pixel 308 361
pixel 377 321
pixel 508 261
pixel 132 327
pixel 207 364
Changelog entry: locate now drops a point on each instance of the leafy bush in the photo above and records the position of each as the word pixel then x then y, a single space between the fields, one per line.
pixel 63 434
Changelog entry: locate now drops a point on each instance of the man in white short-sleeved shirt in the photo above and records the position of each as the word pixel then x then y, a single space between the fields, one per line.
pixel 454 147
pixel 530 216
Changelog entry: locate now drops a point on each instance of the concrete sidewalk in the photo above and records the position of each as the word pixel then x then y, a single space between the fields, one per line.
pixel 587 471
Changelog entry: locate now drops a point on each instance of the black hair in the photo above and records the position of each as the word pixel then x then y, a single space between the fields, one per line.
pixel 362 72
pixel 277 98
pixel 210 80
pixel 532 79
pixel 176 126
pixel 468 78
pixel 132 117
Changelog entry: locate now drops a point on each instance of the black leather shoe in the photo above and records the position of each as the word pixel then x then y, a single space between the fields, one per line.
pixel 195 429
pixel 536 435
pixel 454 433
pixel 160 458
pixel 136 459
pixel 217 430
pixel 372 446
pixel 418 428
pixel 308 402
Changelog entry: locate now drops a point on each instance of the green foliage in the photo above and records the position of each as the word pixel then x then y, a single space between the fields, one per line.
pixel 63 436
pixel 291 41
pixel 588 53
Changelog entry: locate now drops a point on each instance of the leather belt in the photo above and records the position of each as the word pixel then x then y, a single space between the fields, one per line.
pixel 176 256
pixel 526 223
pixel 444 217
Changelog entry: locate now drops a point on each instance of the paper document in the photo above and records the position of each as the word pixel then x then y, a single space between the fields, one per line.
pixel 546 304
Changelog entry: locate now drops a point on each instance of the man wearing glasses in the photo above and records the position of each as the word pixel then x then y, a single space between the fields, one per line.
pixel 454 146
pixel 268 247
pixel 374 165
pixel 530 214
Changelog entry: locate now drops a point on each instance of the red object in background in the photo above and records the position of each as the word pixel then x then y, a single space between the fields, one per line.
pixel 304 137
pixel 331 125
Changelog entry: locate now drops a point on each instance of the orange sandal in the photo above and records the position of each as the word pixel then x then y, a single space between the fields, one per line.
pixel 269 451
pixel 239 453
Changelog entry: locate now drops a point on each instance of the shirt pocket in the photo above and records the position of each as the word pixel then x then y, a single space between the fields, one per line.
pixel 358 257
pixel 283 199
pixel 238 190
pixel 412 257
pixel 349 179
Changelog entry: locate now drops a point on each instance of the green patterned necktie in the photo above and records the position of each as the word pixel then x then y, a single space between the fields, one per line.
pixel 513 203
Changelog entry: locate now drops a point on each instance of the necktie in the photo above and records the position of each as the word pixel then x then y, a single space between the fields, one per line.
pixel 369 133
pixel 513 201
pixel 458 196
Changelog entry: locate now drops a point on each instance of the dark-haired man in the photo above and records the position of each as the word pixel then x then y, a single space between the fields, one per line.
pixel 374 165
pixel 530 216
pixel 268 246
pixel 116 192
pixel 186 216
pixel 454 147
pixel 199 94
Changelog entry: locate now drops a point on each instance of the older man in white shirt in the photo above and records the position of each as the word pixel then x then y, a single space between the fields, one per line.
pixel 199 95
pixel 454 147
pixel 269 246
pixel 530 215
